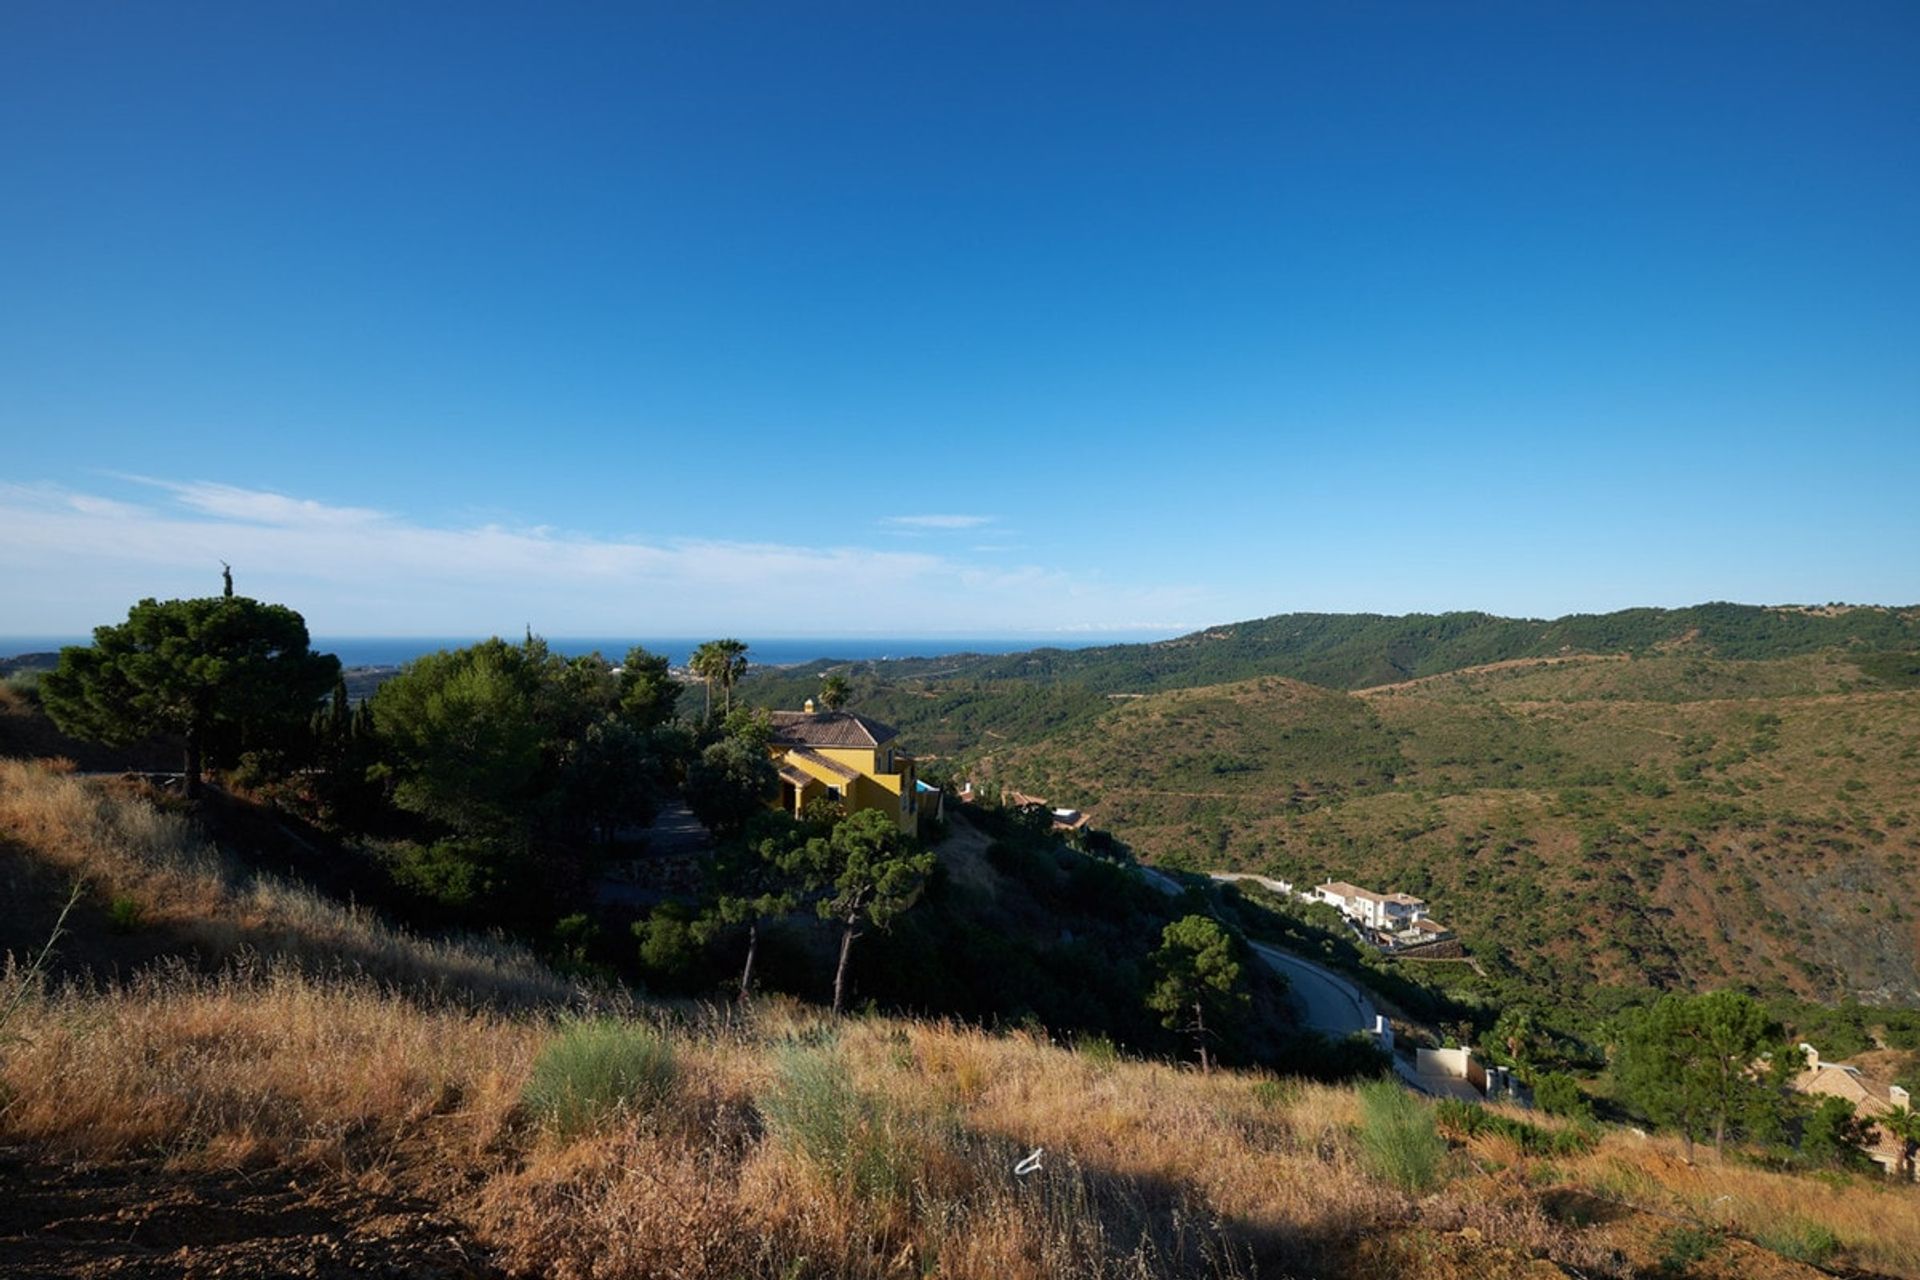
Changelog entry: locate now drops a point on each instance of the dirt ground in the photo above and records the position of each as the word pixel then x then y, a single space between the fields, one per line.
pixel 135 1218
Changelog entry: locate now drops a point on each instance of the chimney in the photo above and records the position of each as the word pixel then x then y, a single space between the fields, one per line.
pixel 809 706
pixel 1813 1056
pixel 1898 1096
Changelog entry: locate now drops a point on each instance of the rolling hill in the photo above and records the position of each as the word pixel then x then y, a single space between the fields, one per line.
pixel 1666 818
pixel 958 702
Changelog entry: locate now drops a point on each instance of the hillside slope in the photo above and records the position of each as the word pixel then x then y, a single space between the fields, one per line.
pixel 305 1103
pixel 957 702
pixel 1669 819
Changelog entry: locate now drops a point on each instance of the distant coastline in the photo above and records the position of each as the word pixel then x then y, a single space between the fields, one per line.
pixel 393 651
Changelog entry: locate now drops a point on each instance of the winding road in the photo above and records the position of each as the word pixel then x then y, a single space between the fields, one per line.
pixel 1327 1002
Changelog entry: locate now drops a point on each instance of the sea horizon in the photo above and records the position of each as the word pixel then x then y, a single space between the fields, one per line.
pixel 770 651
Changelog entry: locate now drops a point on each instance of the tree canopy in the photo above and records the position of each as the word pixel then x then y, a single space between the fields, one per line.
pixel 870 870
pixel 721 662
pixel 512 749
pixel 225 673
pixel 729 784
pixel 1695 1064
pixel 1199 973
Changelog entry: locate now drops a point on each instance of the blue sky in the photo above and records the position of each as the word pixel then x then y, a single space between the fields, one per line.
pixel 963 319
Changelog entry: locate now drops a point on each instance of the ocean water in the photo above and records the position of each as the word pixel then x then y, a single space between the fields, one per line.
pixel 391 651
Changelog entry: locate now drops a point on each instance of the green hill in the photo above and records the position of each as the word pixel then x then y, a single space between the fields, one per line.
pixel 1673 819
pixel 959 701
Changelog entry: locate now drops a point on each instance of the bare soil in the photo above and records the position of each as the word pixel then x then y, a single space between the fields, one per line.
pixel 137 1218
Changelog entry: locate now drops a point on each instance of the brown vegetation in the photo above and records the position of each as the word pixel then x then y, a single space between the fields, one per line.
pixel 275 1113
pixel 190 896
pixel 1673 820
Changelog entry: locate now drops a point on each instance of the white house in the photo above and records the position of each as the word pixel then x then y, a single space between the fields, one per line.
pixel 1390 912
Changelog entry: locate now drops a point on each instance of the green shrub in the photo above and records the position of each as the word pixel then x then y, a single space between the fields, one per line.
pixel 1274 1094
pixel 593 1070
pixel 849 1136
pixel 1682 1246
pixel 1398 1141
pixel 125 915
pixel 1098 1050
pixel 1469 1120
pixel 1802 1241
pixel 1558 1094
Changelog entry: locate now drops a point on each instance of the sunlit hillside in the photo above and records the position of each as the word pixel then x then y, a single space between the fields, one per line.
pixel 1672 819
pixel 346 1099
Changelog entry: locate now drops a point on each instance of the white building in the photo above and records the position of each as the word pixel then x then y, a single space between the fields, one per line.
pixel 1390 912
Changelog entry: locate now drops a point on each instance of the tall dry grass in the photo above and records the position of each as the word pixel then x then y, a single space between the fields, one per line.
pixel 785 1145
pixel 1876 1221
pixel 732 1169
pixel 256 1064
pixel 124 848
pixel 780 1143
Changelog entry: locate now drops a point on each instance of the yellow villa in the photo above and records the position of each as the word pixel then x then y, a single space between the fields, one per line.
pixel 846 757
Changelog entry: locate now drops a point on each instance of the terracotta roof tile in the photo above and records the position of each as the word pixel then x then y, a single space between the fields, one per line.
pixel 829 729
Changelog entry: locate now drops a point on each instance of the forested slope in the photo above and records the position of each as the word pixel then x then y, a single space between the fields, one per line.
pixel 1672 820
pixel 952 703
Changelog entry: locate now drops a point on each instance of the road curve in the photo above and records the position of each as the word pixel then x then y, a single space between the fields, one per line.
pixel 1327 1002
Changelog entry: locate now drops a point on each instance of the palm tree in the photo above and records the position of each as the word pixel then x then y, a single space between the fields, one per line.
pixel 732 665
pixel 1903 1124
pixel 834 691
pixel 708 663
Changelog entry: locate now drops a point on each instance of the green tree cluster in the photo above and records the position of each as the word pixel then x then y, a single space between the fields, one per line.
pixel 721 662
pixel 1198 973
pixel 225 674
pixel 1706 1066
pixel 510 755
pixel 868 871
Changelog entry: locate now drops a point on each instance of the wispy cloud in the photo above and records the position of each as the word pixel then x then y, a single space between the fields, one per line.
pixel 78 559
pixel 258 506
pixel 936 522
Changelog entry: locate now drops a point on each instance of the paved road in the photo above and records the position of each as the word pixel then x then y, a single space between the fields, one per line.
pixel 675 833
pixel 1268 883
pixel 1327 1002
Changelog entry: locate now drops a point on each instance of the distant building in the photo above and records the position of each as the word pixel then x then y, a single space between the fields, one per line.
pixel 1063 819
pixel 845 757
pixel 1386 912
pixel 1870 1098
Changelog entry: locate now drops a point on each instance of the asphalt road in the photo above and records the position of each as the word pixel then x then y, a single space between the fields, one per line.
pixel 1327 1002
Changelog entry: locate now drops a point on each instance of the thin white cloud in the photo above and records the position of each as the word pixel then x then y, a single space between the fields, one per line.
pixel 257 506
pixel 937 522
pixel 79 559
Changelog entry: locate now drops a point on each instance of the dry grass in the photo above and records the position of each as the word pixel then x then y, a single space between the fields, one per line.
pixel 250 1067
pixel 785 1144
pixel 1876 1221
pixel 1148 1170
pixel 125 848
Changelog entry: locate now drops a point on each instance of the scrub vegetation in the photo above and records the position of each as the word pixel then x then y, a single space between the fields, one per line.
pixel 1590 828
pixel 357 1009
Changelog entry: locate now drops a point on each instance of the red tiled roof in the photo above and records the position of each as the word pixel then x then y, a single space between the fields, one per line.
pixel 829 729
